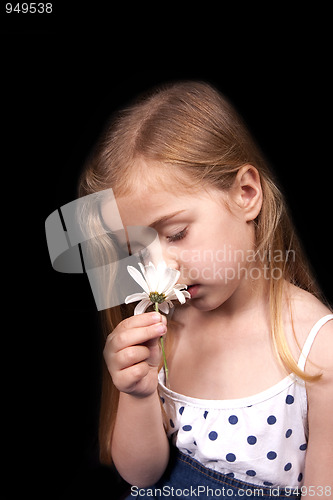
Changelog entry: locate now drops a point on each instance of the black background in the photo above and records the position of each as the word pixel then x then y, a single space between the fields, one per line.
pixel 61 78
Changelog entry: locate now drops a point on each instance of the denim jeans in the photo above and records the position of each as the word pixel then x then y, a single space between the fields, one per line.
pixel 187 478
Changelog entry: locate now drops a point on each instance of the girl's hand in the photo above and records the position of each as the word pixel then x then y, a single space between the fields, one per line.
pixel 132 353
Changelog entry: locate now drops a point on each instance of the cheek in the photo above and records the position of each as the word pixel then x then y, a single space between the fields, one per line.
pixel 233 253
pixel 221 262
pixel 236 241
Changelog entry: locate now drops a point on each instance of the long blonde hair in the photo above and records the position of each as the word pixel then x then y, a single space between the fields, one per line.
pixel 191 126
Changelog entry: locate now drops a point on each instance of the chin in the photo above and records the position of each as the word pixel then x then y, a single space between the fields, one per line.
pixel 204 305
pixel 208 302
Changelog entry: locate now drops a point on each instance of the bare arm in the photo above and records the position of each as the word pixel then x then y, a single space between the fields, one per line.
pixel 318 480
pixel 139 447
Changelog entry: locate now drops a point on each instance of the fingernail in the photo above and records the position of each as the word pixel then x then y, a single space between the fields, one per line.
pixel 160 329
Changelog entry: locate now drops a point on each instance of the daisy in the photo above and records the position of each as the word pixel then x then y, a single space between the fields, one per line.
pixel 160 289
pixel 159 285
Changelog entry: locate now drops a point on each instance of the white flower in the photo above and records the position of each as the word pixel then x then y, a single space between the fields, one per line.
pixel 159 286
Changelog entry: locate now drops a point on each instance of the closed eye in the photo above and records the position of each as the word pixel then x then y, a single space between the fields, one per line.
pixel 178 236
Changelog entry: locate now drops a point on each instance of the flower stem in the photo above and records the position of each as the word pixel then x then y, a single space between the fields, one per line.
pixel 163 352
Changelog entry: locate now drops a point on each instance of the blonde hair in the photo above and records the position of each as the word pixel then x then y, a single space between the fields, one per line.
pixel 191 126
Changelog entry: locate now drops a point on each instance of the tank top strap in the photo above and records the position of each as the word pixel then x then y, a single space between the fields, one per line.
pixel 310 339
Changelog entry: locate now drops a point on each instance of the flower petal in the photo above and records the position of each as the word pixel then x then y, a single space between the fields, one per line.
pixel 161 267
pixel 142 306
pixel 180 286
pixel 143 270
pixel 168 281
pixel 152 277
pixel 164 307
pixel 180 296
pixel 135 297
pixel 138 278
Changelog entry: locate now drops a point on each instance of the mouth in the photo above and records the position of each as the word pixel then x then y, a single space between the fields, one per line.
pixel 193 290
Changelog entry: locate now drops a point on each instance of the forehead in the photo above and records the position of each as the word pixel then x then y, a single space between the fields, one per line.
pixel 153 190
pixel 145 207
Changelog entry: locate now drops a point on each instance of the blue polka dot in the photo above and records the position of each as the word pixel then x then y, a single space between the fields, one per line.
pixel 289 433
pixel 212 435
pixel 300 477
pixel 303 447
pixel 171 423
pixel 187 427
pixel 251 473
pixel 290 399
pixel 162 399
pixel 189 452
pixel 231 457
pixel 267 483
pixel 271 455
pixel 287 467
pixel 233 420
pixel 205 414
pixel 271 420
pixel 230 474
pixel 252 440
pixel 181 409
pixel 195 443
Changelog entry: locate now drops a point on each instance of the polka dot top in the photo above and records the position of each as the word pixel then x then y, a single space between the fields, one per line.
pixel 260 439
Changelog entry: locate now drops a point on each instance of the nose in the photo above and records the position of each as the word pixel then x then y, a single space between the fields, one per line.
pixel 172 264
pixel 171 259
pixel 158 251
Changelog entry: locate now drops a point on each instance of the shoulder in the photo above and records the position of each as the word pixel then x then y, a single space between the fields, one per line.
pixel 304 305
pixel 301 312
pixel 304 310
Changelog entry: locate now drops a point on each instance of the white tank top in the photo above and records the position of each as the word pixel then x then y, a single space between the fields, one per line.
pixel 260 439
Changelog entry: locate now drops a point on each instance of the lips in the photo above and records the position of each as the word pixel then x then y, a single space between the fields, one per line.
pixel 193 290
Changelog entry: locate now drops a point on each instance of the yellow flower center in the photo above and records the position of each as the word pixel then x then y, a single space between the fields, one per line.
pixel 157 297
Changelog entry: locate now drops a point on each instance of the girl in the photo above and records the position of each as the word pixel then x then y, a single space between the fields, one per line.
pixel 250 395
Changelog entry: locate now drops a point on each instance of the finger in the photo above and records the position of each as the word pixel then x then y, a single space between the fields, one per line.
pixel 132 356
pixel 145 319
pixel 121 340
pixel 127 379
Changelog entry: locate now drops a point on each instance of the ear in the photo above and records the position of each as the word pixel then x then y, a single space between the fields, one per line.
pixel 247 192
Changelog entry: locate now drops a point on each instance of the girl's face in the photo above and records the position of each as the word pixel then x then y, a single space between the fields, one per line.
pixel 209 242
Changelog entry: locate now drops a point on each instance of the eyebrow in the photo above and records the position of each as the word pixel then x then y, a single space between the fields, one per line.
pixel 161 220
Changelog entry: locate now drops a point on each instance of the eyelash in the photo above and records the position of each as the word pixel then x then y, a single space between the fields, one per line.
pixel 177 237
